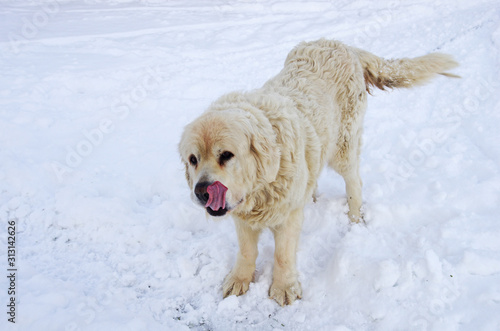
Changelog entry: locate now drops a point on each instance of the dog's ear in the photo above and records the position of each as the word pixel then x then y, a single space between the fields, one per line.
pixel 267 155
pixel 188 177
pixel 183 147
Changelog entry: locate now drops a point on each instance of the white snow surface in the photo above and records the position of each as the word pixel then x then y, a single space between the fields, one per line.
pixel 94 96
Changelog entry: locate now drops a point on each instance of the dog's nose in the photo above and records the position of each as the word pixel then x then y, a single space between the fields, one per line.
pixel 200 190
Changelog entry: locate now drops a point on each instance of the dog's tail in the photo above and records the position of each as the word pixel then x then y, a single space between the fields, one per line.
pixel 382 73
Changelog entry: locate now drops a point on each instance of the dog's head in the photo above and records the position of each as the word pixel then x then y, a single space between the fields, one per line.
pixel 227 154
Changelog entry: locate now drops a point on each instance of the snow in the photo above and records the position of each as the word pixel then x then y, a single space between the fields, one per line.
pixel 94 96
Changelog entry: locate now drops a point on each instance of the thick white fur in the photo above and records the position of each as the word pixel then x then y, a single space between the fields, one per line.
pixel 281 135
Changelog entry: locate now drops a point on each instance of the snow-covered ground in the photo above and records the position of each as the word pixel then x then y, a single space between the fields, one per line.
pixel 93 98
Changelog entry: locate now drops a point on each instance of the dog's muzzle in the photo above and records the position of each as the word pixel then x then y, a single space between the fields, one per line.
pixel 212 196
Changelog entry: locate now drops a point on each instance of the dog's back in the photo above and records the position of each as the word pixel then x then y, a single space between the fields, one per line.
pixel 329 81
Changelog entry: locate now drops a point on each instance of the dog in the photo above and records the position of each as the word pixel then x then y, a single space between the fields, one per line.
pixel 257 155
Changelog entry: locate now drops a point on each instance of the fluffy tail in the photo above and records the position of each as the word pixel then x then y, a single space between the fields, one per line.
pixel 405 72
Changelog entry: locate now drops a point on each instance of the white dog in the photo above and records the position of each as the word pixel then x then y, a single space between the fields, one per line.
pixel 258 155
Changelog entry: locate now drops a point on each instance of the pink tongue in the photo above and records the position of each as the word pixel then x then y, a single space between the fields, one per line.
pixel 217 196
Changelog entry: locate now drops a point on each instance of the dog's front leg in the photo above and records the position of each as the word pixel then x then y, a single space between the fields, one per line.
pixel 286 288
pixel 238 280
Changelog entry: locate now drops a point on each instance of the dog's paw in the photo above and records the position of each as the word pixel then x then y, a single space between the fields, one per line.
pixel 357 218
pixel 234 286
pixel 285 295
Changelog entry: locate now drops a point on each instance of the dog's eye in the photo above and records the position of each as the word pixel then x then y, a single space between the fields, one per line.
pixel 193 160
pixel 225 156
